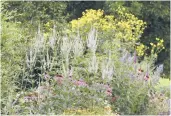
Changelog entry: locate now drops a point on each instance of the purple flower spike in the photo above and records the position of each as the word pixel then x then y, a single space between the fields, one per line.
pixel 135 57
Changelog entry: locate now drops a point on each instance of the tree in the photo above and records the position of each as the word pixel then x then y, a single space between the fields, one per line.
pixel 33 13
pixel 75 8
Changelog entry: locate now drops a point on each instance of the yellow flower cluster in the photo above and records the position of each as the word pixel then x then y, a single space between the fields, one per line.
pixel 93 18
pixel 124 27
pixel 48 26
pixel 127 27
pixel 140 50
pixel 157 47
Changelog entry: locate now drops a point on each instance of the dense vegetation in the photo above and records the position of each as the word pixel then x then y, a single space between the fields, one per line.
pixel 94 57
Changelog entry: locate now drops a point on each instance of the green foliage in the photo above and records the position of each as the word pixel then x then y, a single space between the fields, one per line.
pixel 131 96
pixel 12 60
pixel 33 11
pixel 31 14
pixel 75 9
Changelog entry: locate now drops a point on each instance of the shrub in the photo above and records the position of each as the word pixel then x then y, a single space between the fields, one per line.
pixel 124 28
pixel 12 60
pixel 131 96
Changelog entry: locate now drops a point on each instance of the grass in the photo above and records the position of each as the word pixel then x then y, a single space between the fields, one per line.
pixel 164 86
pixel 164 82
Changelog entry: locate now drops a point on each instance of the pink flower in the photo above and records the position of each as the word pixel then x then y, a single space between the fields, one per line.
pixel 80 83
pixel 109 93
pixel 108 90
pixel 147 75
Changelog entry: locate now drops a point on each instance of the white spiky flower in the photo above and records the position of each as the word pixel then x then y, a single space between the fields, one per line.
pixel 107 68
pixel 52 39
pixel 78 46
pixel 66 46
pixel 93 64
pixel 39 40
pixel 92 40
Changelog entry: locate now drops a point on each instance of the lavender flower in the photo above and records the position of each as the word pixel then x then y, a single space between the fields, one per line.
pixel 160 68
pixel 135 57
pixel 157 73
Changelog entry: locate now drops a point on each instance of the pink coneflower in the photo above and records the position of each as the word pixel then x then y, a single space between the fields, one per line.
pixel 108 93
pixel 146 77
pixel 108 90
